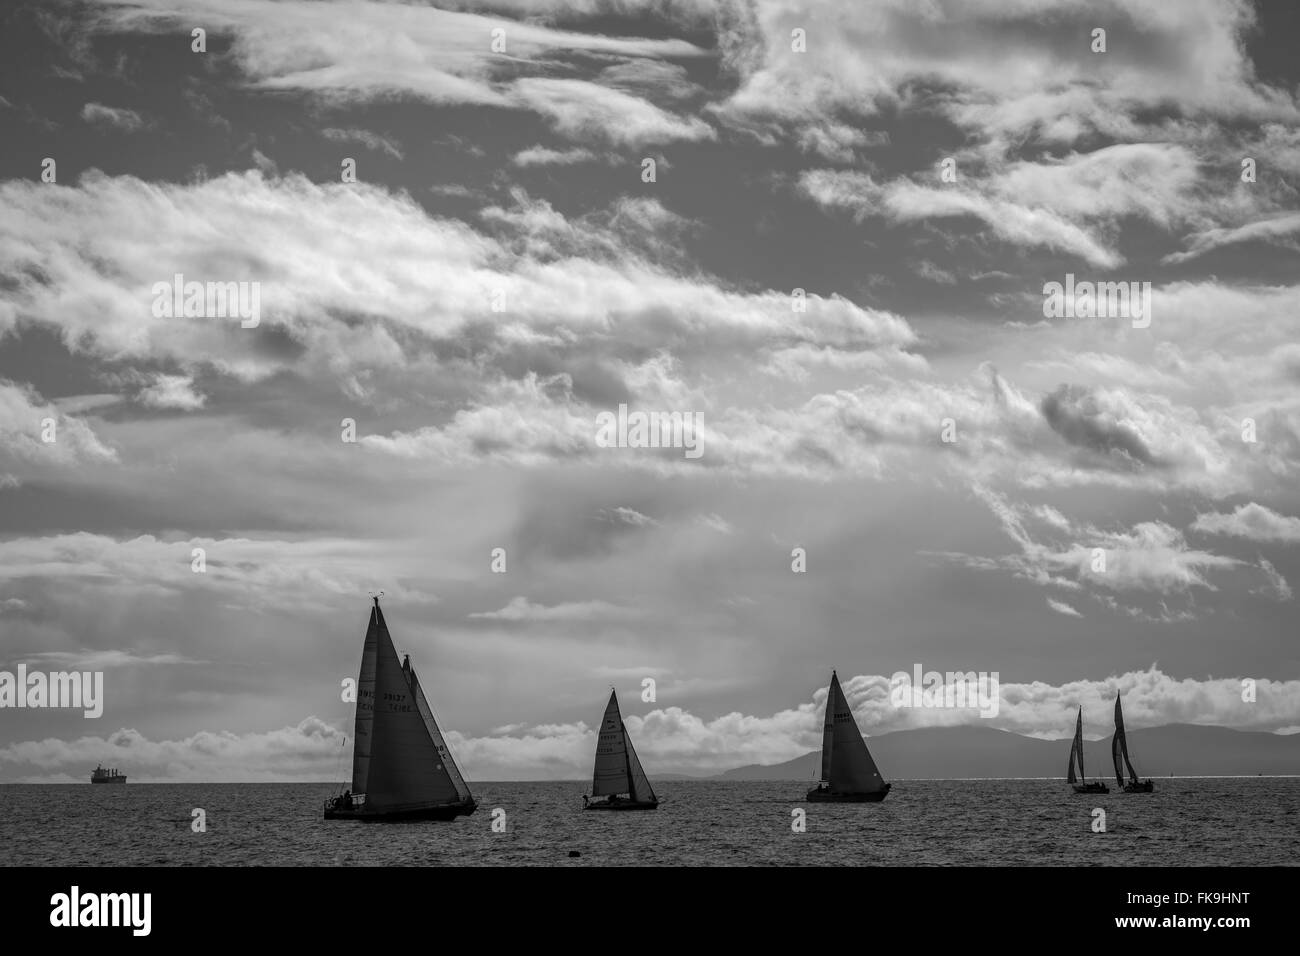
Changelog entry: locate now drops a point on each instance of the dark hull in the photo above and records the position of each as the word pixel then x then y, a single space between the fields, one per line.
pixel 1091 788
pixel 826 796
pixel 1146 786
pixel 110 780
pixel 622 805
pixel 445 811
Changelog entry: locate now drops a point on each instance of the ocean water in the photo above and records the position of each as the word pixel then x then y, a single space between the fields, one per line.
pixel 1225 821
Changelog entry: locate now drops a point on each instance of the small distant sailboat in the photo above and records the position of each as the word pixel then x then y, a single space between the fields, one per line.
pixel 1119 754
pixel 849 775
pixel 401 766
pixel 618 771
pixel 1081 784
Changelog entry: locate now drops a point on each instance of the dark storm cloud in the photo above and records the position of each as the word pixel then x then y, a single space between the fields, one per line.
pixel 1076 415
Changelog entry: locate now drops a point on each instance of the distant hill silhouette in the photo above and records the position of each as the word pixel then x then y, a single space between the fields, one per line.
pixel 948 752
pixel 680 776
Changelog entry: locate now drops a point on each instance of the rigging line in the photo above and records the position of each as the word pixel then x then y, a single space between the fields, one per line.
pixel 343 721
pixel 340 765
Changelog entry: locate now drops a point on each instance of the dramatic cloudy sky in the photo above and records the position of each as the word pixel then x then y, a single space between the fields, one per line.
pixel 518 174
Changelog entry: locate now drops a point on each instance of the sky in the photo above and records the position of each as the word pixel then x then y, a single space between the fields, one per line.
pixel 838 265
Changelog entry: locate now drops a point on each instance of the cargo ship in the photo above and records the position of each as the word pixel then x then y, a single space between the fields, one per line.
pixel 100 775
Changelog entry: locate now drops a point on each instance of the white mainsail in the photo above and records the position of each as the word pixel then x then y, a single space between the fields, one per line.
pixel 610 775
pixel 847 765
pixel 396 762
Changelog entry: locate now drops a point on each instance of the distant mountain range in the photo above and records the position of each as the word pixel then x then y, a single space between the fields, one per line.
pixel 952 752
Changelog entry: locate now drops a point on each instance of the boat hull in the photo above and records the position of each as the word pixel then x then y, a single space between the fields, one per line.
pixel 444 811
pixel 827 796
pixel 1146 786
pixel 111 780
pixel 622 805
pixel 1091 788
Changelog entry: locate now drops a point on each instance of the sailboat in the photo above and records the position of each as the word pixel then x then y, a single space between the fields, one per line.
pixel 1081 784
pixel 1118 750
pixel 401 766
pixel 618 771
pixel 849 775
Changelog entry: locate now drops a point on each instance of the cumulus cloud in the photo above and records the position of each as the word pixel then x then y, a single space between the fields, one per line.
pixel 668 738
pixel 1070 205
pixel 520 609
pixel 580 110
pixel 371 141
pixel 629 516
pixel 101 660
pixel 433 277
pixel 542 156
pixel 26 421
pixel 1151 556
pixel 1060 607
pixel 309 750
pixel 1252 521
pixel 597 299
pixel 246 571
pixel 97 114
pixel 1274 229
pixel 1277 585
pixel 171 391
pixel 715 523
pixel 1084 419
pixel 345 53
pixel 873 55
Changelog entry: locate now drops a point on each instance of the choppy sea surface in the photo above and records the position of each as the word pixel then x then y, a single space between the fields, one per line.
pixel 1187 821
